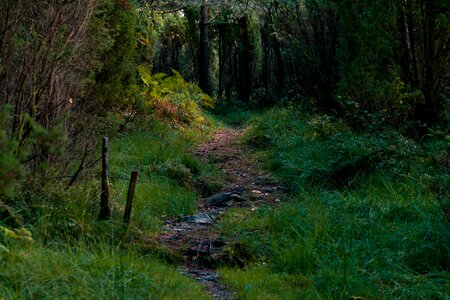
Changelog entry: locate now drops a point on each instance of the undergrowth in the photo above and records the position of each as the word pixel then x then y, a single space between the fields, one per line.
pixel 362 220
pixel 53 246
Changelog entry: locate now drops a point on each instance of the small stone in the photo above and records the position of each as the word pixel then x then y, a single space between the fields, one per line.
pixel 222 198
pixel 202 218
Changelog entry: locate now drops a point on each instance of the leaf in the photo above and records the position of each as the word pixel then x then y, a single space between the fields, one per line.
pixel 145 75
pixel 3 249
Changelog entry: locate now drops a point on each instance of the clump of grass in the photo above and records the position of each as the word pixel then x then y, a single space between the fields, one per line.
pixel 236 118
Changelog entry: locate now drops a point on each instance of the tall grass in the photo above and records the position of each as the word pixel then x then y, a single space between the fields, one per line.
pixel 64 252
pixel 381 236
pixel 99 271
pixel 320 151
pixel 170 180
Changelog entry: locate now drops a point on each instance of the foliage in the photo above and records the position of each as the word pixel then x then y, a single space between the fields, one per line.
pixel 170 182
pixel 376 64
pixel 174 99
pixel 436 168
pixel 70 75
pixel 14 237
pixel 66 66
pixel 370 89
pixel 369 214
pixel 94 259
pixel 115 77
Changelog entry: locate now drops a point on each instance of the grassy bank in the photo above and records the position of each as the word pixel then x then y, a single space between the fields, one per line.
pixel 53 246
pixel 362 219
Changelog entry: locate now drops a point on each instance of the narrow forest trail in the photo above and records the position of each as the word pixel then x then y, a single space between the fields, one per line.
pixel 247 185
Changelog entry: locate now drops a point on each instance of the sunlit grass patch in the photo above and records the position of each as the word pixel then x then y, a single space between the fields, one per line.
pixel 75 256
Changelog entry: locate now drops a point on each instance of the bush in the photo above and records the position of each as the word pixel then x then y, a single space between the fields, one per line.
pixel 175 100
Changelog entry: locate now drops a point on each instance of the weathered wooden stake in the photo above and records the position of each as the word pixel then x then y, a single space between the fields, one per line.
pixel 127 214
pixel 105 210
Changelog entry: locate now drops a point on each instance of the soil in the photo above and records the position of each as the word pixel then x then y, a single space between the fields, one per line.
pixel 192 236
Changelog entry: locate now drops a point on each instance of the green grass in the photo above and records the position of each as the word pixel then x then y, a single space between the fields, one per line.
pixel 98 271
pixel 382 237
pixel 378 242
pixel 322 152
pixel 170 180
pixel 236 118
pixel 362 220
pixel 75 256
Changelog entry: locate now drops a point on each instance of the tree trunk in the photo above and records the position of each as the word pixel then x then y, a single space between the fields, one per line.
pixel 221 62
pixel 429 111
pixel 245 78
pixel 203 76
pixel 105 209
pixel 265 75
pixel 279 66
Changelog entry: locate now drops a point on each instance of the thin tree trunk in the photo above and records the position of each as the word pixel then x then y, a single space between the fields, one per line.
pixel 221 62
pixel 279 68
pixel 105 210
pixel 245 78
pixel 411 41
pixel 204 76
pixel 265 39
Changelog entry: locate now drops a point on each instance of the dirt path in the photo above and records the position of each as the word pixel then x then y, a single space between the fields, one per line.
pixel 247 185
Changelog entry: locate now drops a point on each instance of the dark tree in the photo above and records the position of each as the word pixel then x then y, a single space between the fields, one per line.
pixel 203 73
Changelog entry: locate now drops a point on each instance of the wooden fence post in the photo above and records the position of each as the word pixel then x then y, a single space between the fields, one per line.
pixel 105 210
pixel 127 214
